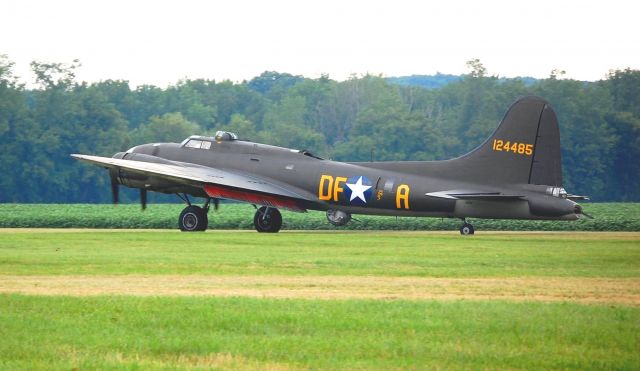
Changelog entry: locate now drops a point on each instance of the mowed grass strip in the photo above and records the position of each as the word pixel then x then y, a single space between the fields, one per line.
pixel 623 291
pixel 297 332
pixel 247 333
pixel 415 254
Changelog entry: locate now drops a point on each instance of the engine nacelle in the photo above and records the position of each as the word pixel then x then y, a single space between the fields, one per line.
pixel 133 179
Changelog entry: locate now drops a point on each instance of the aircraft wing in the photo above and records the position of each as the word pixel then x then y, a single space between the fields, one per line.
pixel 475 195
pixel 217 183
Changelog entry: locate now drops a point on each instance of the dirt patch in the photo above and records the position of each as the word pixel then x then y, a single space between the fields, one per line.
pixel 624 291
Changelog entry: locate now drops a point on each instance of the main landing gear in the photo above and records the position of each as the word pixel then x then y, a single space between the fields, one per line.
pixel 193 218
pixel 466 229
pixel 267 220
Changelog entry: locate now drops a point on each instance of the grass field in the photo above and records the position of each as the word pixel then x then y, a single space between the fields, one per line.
pixel 296 300
pixel 607 217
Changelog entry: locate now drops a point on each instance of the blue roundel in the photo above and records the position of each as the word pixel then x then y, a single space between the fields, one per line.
pixel 358 190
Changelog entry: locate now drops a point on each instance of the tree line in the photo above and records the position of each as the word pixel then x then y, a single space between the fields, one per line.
pixel 363 118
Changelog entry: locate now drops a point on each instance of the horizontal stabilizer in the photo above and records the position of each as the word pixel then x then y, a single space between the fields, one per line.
pixel 577 197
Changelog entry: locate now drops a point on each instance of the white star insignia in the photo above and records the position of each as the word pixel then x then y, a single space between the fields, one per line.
pixel 357 190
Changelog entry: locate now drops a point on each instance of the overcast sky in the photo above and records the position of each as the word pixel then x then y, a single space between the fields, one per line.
pixel 161 42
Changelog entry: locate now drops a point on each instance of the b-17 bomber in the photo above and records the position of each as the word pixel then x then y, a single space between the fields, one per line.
pixel 515 174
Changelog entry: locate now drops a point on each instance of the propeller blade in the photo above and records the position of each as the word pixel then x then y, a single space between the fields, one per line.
pixel 585 216
pixel 216 203
pixel 143 198
pixel 115 188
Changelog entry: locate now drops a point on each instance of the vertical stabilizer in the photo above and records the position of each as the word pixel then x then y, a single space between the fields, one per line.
pixel 524 149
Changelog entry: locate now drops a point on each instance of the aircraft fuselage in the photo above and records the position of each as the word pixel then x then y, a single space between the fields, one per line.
pixel 383 192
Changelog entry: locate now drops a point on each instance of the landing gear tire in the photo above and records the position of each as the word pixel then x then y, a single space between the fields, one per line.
pixel 466 229
pixel 267 220
pixel 193 219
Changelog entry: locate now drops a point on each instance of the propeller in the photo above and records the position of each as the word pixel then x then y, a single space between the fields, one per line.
pixel 115 190
pixel 580 213
pixel 216 204
pixel 143 198
pixel 115 187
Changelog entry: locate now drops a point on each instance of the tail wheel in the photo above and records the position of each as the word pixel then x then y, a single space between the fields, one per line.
pixel 466 229
pixel 267 219
pixel 193 218
pixel 338 218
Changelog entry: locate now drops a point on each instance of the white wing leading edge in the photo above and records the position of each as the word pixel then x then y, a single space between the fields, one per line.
pixel 218 183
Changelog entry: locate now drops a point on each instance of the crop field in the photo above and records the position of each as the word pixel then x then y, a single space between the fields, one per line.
pixel 607 217
pixel 161 299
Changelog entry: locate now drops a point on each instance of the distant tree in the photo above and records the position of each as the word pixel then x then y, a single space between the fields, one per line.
pixel 15 125
pixel 243 127
pixel 6 70
pixel 150 101
pixel 124 100
pixel 188 97
pixel 624 176
pixel 170 127
pixel 358 148
pixel 55 75
pixel 273 85
pixel 349 120
pixel 291 111
pixel 587 140
pixel 624 120
pixel 284 125
pixel 557 73
pixel 476 67
pixel 625 90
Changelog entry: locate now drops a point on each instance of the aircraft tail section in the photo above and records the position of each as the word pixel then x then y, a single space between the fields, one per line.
pixel 524 149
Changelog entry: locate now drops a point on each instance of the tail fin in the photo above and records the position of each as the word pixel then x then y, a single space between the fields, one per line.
pixel 524 149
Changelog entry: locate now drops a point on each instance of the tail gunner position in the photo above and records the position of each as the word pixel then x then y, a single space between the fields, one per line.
pixel 515 174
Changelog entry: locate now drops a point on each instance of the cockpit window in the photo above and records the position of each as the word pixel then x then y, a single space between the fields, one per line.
pixel 193 143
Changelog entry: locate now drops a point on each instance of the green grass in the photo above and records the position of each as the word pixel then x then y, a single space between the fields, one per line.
pixel 320 253
pixel 131 333
pixel 608 217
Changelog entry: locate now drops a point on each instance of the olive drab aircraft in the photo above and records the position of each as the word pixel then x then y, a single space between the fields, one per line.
pixel 515 174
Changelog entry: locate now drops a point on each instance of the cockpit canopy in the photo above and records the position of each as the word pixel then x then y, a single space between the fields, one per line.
pixel 198 141
pixel 204 142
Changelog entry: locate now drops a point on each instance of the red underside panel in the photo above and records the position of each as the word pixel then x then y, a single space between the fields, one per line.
pixel 217 191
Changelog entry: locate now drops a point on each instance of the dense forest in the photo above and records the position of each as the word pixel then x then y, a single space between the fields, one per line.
pixel 353 120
